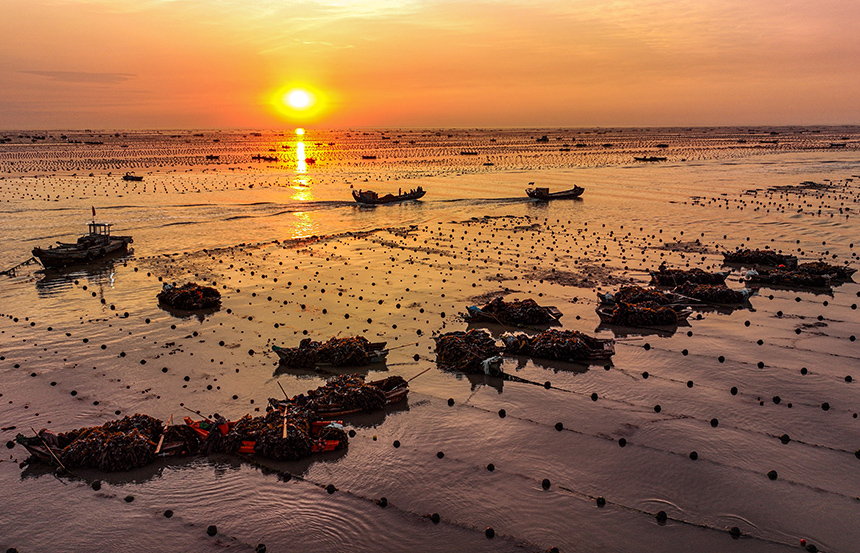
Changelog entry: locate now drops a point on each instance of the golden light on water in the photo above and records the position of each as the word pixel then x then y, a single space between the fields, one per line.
pixel 300 132
pixel 301 164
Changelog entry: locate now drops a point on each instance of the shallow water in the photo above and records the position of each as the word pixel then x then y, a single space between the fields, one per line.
pixel 291 253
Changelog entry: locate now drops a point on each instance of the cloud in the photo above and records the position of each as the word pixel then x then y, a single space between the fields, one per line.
pixel 83 76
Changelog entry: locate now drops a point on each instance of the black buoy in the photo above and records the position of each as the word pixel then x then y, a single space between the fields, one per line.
pixel 721 359
pixel 382 502
pixel 330 488
pixel 772 475
pixel 647 346
pixel 261 548
pixel 601 501
pixel 450 402
pixel 693 455
pixel 784 438
pixel 435 518
pixel 396 443
pixel 714 422
pixel 734 390
pixel 168 513
pixel 545 484
pixel 825 406
pixel 735 532
pixel 10 444
pixel 502 413
pixel 491 467
pixel 661 516
pixel 129 498
pixel 777 399
pixel 559 426
pixel 489 532
pixel 657 408
pixel 594 396
pixel 547 385
pixel 645 374
pixel 622 442
pixel 351 433
pixel 212 530
pixel 440 454
pixel 96 485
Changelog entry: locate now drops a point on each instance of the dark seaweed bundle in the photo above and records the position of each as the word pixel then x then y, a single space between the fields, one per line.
pixel 110 451
pixel 340 352
pixel 783 277
pixel 711 293
pixel 346 392
pixel 189 296
pixel 390 383
pixel 525 312
pixel 465 351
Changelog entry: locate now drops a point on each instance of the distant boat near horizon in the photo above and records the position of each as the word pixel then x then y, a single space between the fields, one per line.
pixel 369 197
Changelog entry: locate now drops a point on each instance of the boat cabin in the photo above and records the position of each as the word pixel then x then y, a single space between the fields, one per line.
pixel 99 234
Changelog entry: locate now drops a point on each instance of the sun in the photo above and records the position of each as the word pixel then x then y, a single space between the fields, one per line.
pixel 299 99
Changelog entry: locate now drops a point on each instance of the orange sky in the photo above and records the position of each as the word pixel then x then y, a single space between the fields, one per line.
pixel 113 64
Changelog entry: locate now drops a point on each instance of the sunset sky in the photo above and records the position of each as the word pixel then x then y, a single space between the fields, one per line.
pixel 118 64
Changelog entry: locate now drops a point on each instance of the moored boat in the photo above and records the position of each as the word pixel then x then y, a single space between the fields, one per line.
pixel 369 197
pixel 317 430
pixel 130 177
pixel 649 158
pixel 97 243
pixel 545 194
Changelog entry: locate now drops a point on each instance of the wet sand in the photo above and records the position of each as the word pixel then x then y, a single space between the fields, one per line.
pixel 684 420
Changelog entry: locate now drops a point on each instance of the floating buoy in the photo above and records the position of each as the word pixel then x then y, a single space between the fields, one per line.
pixel 491 467
pixel 382 502
pixel 773 475
pixel 396 443
pixel 714 422
pixel 559 426
pixel 129 498
pixel 435 518
pixel 212 530
pixel 825 406
pixel 261 548
pixel 440 454
pixel 489 532
pixel 735 532
pixel 168 513
pixel 661 516
pixel 594 396
pixel 776 399
pixel 545 484
pixel 601 501
pixel 693 455
pixel 450 402
pixel 330 488
pixel 784 438
pixel 502 413
pixel 657 408
pixel 96 485
pixel 622 442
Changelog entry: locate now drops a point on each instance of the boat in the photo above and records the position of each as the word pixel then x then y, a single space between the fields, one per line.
pixel 649 158
pixel 369 197
pixel 129 176
pixel 674 277
pixel 393 394
pixel 368 157
pixel 97 243
pixel 606 313
pixel 545 195
pixel 376 353
pixel 525 312
pixel 569 345
pixel 320 445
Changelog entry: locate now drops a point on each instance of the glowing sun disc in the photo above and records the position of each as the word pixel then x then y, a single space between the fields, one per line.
pixel 299 99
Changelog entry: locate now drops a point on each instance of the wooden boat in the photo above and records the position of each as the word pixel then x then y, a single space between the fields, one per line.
pixel 750 257
pixel 476 314
pixel 676 301
pixel 545 195
pixel 333 411
pixel 789 279
pixel 605 314
pixel 369 197
pixel 203 427
pixel 97 243
pixel 130 177
pixel 674 277
pixel 600 349
pixel 649 158
pixel 375 350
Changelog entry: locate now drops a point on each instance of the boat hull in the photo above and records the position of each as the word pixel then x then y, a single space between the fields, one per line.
pixel 65 255
pixel 388 198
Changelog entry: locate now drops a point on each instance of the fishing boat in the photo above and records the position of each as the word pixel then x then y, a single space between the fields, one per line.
pixel 376 353
pixel 395 390
pixel 130 177
pixel 369 197
pixel 649 158
pixel 97 243
pixel 596 349
pixel 320 445
pixel 605 313
pixel 477 314
pixel 545 195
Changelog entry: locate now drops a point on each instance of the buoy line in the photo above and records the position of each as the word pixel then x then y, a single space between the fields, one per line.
pixel 623 442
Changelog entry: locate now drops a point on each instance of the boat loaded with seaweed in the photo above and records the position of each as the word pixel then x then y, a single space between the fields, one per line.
pixel 98 242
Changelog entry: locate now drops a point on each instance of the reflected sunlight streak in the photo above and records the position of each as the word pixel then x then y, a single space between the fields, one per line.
pixel 301 165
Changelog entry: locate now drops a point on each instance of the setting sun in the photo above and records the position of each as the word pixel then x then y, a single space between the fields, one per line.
pixel 299 99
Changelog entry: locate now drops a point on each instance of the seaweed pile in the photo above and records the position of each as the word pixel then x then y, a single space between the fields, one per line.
pixel 760 257
pixel 643 314
pixel 673 277
pixel 189 296
pixel 465 351
pixel 340 352
pixel 713 293
pixel 346 392
pixel 519 312
pixel 562 345
pixel 840 272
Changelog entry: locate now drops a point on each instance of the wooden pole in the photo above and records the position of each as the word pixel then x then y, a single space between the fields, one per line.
pixel 49 449
pixel 161 439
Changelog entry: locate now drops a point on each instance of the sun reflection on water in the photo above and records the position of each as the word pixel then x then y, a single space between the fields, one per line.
pixel 301 164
